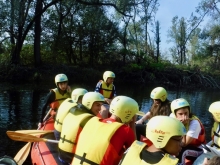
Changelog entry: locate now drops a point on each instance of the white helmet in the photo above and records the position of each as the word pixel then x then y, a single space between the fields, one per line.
pixel 179 103
pixel 108 74
pixel 76 93
pixel 90 97
pixel 60 78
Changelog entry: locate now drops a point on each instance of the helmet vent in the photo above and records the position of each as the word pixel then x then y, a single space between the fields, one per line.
pixel 127 116
pixel 160 138
pixel 88 104
pixel 70 101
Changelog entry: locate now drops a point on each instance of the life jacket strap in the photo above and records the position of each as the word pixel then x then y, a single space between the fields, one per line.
pixel 83 159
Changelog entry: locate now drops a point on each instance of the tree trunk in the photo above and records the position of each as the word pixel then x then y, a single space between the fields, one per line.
pixel 37 31
pixel 125 40
pixel 12 39
pixel 15 53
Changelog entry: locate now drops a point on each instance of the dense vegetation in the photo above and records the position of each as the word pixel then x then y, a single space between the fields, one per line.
pixel 40 38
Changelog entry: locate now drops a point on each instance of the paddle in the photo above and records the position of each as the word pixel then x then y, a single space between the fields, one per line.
pixel 48 113
pixel 27 138
pixel 34 132
pixel 206 148
pixel 23 153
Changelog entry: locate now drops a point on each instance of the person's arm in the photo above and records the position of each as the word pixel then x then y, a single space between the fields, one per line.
pixel 98 86
pixel 114 92
pixel 186 140
pixel 192 133
pixel 144 118
pixel 48 100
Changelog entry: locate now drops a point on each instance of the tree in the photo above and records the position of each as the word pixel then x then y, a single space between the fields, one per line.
pixel 157 40
pixel 22 18
pixel 37 33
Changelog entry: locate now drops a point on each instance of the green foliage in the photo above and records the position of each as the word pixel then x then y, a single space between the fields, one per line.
pixel 82 35
pixel 133 67
pixel 27 55
pixel 157 66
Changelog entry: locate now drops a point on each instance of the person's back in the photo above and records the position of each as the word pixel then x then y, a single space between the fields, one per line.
pixel 160 106
pixel 64 108
pixel 108 137
pixel 214 109
pixel 165 134
pixel 74 122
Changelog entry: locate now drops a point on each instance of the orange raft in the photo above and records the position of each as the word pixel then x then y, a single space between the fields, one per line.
pixel 45 153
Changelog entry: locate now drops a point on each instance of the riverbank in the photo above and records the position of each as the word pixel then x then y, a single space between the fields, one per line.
pixel 168 76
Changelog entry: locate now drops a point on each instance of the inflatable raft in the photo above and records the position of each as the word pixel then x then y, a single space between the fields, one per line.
pixel 45 153
pixel 209 152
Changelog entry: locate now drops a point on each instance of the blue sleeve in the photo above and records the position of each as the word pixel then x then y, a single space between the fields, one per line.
pixel 114 94
pixel 98 86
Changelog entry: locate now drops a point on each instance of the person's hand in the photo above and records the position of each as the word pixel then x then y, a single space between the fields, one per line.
pixel 40 125
pixel 108 101
pixel 185 120
pixel 68 89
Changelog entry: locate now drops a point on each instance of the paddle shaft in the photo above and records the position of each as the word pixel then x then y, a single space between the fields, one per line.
pixel 48 113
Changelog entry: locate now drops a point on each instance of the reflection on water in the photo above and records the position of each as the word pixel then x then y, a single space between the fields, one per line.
pixel 20 109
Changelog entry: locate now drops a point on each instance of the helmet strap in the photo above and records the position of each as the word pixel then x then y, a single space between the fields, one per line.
pixel 163 150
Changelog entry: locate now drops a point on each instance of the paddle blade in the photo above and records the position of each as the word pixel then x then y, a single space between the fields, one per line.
pixel 23 137
pixel 22 155
pixel 17 136
pixel 34 132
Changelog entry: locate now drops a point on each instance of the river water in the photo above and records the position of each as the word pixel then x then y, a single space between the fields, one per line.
pixel 20 106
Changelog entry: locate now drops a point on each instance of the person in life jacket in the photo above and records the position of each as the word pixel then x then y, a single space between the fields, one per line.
pixel 74 122
pixel 103 141
pixel 64 108
pixel 195 135
pixel 214 109
pixel 166 134
pixel 160 106
pixel 107 89
pixel 56 96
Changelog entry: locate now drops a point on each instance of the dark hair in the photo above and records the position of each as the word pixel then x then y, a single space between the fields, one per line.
pixel 161 109
pixel 214 161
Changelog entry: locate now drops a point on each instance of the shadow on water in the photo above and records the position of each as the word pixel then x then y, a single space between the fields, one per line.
pixel 20 107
